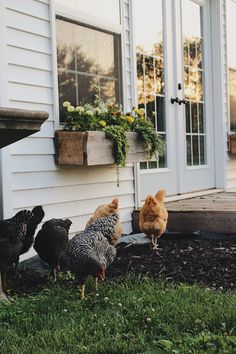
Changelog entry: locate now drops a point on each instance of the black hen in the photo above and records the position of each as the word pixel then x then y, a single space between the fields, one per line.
pixel 89 252
pixel 51 243
pixel 12 237
pixel 38 215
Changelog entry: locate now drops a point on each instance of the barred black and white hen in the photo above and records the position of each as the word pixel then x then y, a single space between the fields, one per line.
pixel 89 252
pixel 51 243
pixel 12 238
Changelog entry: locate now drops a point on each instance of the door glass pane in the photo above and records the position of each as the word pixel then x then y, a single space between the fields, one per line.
pixel 148 28
pixel 192 34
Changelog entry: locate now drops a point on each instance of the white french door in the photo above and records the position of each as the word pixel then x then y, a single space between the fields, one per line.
pixel 173 81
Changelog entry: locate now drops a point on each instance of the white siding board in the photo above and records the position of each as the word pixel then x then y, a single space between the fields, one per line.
pixel 26 23
pixel 46 131
pixel 70 193
pixel 51 177
pixel 33 8
pixel 33 146
pixel 76 209
pixel 21 39
pixel 30 93
pixel 34 106
pixel 26 58
pixel 24 75
pixel 24 176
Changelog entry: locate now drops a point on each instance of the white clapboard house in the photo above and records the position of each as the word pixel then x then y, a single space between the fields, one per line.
pixel 174 58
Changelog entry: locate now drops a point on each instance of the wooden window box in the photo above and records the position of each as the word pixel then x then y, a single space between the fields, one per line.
pixel 231 143
pixel 92 148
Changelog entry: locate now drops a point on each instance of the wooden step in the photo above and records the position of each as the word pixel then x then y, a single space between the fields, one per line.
pixel 211 213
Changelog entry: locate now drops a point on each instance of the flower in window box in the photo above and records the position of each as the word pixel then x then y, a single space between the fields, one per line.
pixel 70 109
pixel 102 123
pixel 66 104
pixel 79 109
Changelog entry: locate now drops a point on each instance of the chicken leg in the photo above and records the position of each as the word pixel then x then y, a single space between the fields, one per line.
pixel 82 289
pixel 96 283
pixel 2 295
pixel 154 243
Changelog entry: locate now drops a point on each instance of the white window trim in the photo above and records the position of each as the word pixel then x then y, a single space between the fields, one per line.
pixel 86 19
pixel 83 19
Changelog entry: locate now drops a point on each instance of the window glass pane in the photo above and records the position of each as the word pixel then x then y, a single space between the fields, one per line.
pixel 148 28
pixel 108 10
pixel 67 88
pixel 231 57
pixel 88 63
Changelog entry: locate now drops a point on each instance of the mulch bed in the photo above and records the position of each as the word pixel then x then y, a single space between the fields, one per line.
pixel 210 263
pixel 207 262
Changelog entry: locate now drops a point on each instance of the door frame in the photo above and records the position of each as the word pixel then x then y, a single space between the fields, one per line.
pixel 216 81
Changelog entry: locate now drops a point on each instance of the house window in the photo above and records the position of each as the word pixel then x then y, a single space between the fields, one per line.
pixel 231 55
pixel 88 63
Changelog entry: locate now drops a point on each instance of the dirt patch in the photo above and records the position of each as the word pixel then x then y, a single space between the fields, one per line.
pixel 210 263
pixel 207 262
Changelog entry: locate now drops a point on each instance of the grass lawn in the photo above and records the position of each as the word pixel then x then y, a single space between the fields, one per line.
pixel 128 315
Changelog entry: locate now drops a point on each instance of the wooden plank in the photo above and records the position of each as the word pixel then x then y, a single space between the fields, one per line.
pixel 212 222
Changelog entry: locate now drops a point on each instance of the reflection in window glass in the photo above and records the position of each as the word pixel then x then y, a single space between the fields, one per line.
pixel 88 64
pixel 150 67
pixel 193 82
pixel 231 55
pixel 105 9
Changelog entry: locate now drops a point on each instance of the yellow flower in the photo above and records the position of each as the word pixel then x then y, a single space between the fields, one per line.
pixel 136 110
pixel 66 104
pixel 130 119
pixel 102 123
pixel 142 111
pixel 70 109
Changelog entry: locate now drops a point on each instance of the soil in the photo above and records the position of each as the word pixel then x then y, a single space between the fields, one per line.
pixel 211 263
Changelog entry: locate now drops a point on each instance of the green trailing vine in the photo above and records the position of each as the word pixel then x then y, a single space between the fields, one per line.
pixel 153 141
pixel 120 146
pixel 107 116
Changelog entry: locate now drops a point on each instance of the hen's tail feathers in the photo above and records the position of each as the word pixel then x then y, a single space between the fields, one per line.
pixel 160 196
pixel 39 212
pixel 115 203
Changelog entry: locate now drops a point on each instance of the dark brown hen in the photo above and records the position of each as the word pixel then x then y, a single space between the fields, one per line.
pixel 89 252
pixel 12 236
pixel 51 243
pixel 38 215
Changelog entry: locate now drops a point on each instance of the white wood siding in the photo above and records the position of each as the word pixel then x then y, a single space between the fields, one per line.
pixel 34 177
